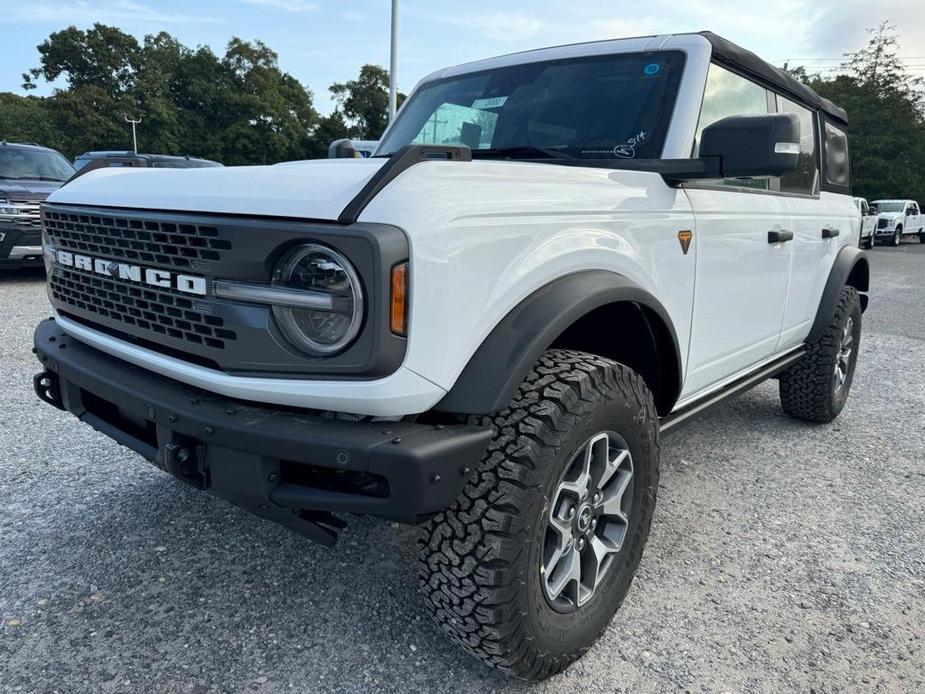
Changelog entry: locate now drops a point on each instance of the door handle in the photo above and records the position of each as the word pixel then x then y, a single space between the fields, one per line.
pixel 780 236
pixel 830 233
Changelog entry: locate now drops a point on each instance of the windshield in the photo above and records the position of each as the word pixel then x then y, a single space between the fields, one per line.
pixel 602 107
pixel 33 164
pixel 889 206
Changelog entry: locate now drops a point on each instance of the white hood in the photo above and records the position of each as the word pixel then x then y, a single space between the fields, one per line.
pixel 317 189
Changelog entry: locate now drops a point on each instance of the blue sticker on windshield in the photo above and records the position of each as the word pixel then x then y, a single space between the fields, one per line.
pixel 652 69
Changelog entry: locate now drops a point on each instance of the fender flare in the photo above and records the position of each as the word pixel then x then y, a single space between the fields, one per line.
pixel 851 267
pixel 490 379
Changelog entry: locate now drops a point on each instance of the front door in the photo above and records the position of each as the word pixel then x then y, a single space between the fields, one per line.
pixel 742 231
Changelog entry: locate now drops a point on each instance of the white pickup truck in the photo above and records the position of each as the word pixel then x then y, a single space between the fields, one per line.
pixel 898 218
pixel 553 259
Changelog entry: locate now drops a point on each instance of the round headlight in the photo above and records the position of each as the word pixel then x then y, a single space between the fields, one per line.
pixel 324 273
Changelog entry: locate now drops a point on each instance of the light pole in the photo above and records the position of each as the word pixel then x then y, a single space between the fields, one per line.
pixel 393 63
pixel 134 136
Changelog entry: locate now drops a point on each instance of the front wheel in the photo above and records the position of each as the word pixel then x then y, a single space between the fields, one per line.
pixel 527 567
pixel 898 236
pixel 816 388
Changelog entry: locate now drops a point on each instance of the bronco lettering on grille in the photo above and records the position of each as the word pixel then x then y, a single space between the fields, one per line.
pixel 189 284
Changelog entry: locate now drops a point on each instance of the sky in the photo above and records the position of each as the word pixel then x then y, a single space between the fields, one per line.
pixel 325 41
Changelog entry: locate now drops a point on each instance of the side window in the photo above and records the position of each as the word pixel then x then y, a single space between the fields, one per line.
pixel 914 209
pixel 728 94
pixel 805 179
pixel 836 156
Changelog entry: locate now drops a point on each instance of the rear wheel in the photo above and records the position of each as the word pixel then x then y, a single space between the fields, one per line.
pixel 816 388
pixel 527 567
pixel 922 237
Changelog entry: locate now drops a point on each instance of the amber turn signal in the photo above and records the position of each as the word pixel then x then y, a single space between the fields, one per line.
pixel 398 316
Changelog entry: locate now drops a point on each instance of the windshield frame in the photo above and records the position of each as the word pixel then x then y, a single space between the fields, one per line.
pixel 661 128
pixel 51 154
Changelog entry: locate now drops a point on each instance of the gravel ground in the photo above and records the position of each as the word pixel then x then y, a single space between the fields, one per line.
pixel 783 557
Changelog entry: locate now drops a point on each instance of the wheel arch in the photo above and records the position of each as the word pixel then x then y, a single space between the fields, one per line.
pixel 852 269
pixel 568 314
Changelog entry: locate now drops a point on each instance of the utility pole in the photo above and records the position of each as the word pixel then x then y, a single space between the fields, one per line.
pixel 134 136
pixel 393 63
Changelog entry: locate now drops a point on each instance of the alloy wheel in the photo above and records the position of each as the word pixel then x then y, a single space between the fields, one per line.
pixel 587 521
pixel 843 358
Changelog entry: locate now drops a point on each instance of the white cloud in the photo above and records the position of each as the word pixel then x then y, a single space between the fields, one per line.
pixel 111 12
pixel 502 25
pixel 285 5
pixel 494 25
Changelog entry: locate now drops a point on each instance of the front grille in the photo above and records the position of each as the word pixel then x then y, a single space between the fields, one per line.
pixel 148 241
pixel 29 217
pixel 883 223
pixel 154 314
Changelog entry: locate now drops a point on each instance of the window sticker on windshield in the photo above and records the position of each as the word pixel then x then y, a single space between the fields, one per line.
pixel 494 102
pixel 625 151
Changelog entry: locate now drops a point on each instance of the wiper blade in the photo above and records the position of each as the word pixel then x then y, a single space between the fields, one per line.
pixel 521 152
pixel 32 178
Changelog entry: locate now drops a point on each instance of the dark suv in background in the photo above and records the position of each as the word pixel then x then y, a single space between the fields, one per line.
pixel 28 174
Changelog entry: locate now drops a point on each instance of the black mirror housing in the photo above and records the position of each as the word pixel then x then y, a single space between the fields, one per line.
pixel 754 146
pixel 342 149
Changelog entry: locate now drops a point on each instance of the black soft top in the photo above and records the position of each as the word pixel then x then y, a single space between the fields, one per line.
pixel 730 55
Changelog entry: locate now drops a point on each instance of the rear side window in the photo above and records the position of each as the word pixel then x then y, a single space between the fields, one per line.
pixel 836 157
pixel 805 180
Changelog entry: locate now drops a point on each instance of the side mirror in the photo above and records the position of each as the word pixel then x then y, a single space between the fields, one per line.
pixel 342 149
pixel 754 146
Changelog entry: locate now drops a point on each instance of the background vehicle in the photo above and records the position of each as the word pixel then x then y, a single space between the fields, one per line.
pixel 868 223
pixel 28 173
pixel 154 161
pixel 898 218
pixel 483 329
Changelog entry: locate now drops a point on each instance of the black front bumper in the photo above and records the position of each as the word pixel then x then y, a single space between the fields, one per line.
pixel 285 465
pixel 16 236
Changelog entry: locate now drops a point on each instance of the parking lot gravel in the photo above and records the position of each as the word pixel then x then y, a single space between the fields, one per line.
pixel 784 557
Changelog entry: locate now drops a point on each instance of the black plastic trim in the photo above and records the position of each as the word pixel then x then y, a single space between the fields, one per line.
pixel 850 263
pixel 403 159
pixel 236 448
pixel 261 349
pixel 491 377
pixel 695 409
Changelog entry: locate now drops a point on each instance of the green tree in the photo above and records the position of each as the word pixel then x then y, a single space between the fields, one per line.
pixel 26 119
pixel 886 126
pixel 239 108
pixel 364 102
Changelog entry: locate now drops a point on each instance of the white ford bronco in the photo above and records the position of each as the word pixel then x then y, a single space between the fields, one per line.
pixel 552 259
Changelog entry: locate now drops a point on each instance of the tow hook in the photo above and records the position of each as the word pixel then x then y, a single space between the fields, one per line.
pixel 48 388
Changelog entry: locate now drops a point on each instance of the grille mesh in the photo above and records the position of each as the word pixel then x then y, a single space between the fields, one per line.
pixel 140 240
pixel 157 313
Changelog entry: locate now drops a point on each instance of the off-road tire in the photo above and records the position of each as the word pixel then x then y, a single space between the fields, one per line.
pixel 807 390
pixel 479 560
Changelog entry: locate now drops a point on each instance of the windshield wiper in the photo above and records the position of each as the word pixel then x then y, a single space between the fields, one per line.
pixel 32 178
pixel 521 152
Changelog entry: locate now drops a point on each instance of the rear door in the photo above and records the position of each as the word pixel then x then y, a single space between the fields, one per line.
pixel 821 221
pixel 742 271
